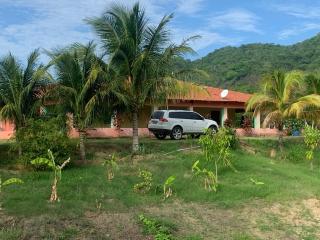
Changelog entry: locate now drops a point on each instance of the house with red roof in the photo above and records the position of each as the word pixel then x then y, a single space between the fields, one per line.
pixel 213 103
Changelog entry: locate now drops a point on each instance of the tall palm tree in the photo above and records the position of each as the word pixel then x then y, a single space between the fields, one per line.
pixel 18 88
pixel 83 83
pixel 142 55
pixel 282 97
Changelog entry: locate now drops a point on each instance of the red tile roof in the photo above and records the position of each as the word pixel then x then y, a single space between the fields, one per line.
pixel 211 94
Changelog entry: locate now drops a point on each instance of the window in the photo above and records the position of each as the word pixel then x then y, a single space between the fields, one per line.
pixel 179 115
pixel 195 116
pixel 157 115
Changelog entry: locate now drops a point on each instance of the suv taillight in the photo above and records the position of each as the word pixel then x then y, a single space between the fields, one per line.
pixel 163 120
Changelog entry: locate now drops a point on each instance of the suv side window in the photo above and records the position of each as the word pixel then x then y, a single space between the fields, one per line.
pixel 178 115
pixel 196 116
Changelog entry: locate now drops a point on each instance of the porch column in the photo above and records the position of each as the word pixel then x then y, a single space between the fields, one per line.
pixel 190 108
pixel 224 115
pixel 257 120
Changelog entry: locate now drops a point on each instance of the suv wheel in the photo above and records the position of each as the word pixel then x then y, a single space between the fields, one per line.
pixel 213 128
pixel 160 136
pixel 176 133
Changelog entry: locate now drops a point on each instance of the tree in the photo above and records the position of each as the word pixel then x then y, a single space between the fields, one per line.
pixel 283 96
pixel 18 88
pixel 142 55
pixel 84 83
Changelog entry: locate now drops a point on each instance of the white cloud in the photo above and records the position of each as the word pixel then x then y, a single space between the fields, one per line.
pixel 56 23
pixel 299 11
pixel 189 6
pixel 297 30
pixel 60 22
pixel 207 38
pixel 236 19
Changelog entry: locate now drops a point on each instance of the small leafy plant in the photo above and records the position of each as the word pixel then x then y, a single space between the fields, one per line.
pixel 210 181
pixel 167 187
pixel 111 166
pixel 50 163
pixel 145 185
pixel 216 149
pixel 256 182
pixel 156 228
pixel 9 182
pixel 312 141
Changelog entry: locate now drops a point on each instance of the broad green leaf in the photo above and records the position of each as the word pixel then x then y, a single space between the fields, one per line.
pixel 12 181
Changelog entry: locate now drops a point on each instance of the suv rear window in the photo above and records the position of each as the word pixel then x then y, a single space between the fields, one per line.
pixel 157 115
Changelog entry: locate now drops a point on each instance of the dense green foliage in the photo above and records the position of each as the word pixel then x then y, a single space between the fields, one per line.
pixel 42 134
pixel 242 67
pixel 20 88
pixel 312 141
pixel 85 84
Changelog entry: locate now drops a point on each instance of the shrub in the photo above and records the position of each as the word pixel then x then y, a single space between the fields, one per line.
pixel 146 184
pixel 228 123
pixel 111 166
pixel 40 135
pixel 293 125
pixel 160 230
pixel 312 141
pixel 216 149
pixel 247 125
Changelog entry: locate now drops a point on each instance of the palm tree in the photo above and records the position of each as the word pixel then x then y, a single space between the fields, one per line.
pixel 143 56
pixel 18 88
pixel 282 97
pixel 83 83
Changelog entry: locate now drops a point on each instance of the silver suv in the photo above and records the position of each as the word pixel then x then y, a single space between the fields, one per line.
pixel 176 123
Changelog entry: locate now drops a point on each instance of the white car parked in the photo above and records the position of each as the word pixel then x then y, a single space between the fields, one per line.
pixel 176 123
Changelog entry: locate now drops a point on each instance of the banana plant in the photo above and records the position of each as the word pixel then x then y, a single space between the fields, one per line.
pixel 50 163
pixel 167 187
pixel 210 179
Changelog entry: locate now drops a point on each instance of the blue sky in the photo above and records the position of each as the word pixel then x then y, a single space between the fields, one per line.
pixel 29 24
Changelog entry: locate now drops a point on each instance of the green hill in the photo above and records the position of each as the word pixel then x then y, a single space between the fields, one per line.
pixel 241 68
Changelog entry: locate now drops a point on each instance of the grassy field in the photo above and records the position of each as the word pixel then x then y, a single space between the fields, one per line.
pixel 286 206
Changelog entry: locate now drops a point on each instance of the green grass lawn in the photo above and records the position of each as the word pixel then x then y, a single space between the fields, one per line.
pixel 91 207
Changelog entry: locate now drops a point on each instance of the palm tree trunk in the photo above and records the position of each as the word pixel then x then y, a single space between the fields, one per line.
pixel 135 132
pixel 19 151
pixel 280 140
pixel 280 136
pixel 82 148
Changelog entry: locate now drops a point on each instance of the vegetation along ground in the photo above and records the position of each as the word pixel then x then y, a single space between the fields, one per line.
pixel 263 197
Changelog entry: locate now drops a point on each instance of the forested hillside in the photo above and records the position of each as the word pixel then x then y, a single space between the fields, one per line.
pixel 242 67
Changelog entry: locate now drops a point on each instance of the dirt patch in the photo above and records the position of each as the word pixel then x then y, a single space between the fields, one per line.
pixel 93 226
pixel 117 225
pixel 259 220
pixel 205 220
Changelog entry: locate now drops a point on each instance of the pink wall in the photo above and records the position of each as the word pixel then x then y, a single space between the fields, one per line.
pixel 110 133
pixel 263 132
pixel 6 130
